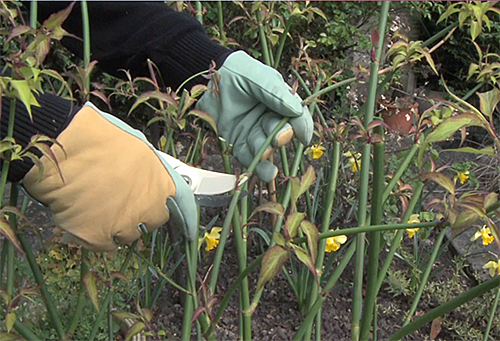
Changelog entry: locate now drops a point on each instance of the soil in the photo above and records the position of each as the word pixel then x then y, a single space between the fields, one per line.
pixel 277 317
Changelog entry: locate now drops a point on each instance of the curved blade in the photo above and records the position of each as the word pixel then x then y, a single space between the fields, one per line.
pixel 201 181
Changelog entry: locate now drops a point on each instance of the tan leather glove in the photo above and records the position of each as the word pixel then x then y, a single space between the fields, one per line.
pixel 114 181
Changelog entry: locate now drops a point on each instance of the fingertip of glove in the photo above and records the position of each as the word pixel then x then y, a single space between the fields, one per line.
pixel 303 127
pixel 266 171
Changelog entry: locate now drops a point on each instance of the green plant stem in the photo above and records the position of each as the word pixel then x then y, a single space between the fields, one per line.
pixel 263 39
pixel 281 43
pixel 86 44
pixel 11 252
pixel 109 295
pixel 447 307
pixel 364 179
pixel 199 11
pixel 26 332
pixel 47 297
pixel 492 316
pixel 82 294
pixel 377 213
pixel 33 13
pixel 439 35
pixel 425 277
pixel 473 91
pixel 321 298
pixel 3 260
pixel 189 304
pixel 331 87
pixel 329 198
pixel 220 16
pixel 226 228
pixel 6 162
pixel 401 169
pixel 396 241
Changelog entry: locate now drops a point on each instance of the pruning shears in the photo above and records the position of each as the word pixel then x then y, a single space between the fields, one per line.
pixel 210 188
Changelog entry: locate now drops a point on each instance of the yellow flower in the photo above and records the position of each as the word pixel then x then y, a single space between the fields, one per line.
pixel 463 176
pixel 354 160
pixel 414 218
pixel 493 267
pixel 333 243
pixel 315 151
pixel 212 239
pixel 484 233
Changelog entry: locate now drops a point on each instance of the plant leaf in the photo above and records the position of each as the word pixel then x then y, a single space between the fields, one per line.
pixel 90 280
pixel 485 151
pixel 272 262
pixel 305 182
pixel 269 207
pixel 488 101
pixel 25 94
pixel 135 329
pixel 292 223
pixel 10 319
pixel 8 232
pixel 441 179
pixel 10 337
pixel 465 219
pixel 205 117
pixel 312 234
pixel 305 258
pixel 119 275
pixel 279 239
pixel 123 315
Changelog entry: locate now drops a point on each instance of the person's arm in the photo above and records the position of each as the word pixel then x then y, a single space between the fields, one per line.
pixel 124 35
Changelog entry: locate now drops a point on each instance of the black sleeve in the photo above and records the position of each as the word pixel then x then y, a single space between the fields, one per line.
pixel 125 34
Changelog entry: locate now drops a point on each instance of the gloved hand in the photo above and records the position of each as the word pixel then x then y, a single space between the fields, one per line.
pixel 252 100
pixel 114 181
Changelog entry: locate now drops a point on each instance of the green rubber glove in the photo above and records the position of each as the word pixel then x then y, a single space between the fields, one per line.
pixel 252 100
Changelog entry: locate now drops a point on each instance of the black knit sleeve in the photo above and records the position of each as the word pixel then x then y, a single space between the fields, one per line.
pixel 124 35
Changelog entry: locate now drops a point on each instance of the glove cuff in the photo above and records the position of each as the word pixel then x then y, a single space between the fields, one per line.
pixel 50 119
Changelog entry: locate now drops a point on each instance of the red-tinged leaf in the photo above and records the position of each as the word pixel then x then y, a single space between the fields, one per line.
pixel 404 204
pixel 488 101
pixel 10 319
pixel 198 90
pixel 464 219
pixel 441 179
pixel 14 210
pixel 135 329
pixel 377 123
pixel 272 262
pixel 119 275
pixel 305 258
pixel 490 200
pixel 293 222
pixel 269 207
pixel 90 280
pixel 47 152
pixel 8 232
pixel 311 231
pixel 41 51
pixel 156 95
pixel 435 328
pixel 56 19
pixel 102 97
pixel 197 313
pixel 37 163
pixel 124 315
pixel 299 188
pixel 17 31
pixel 205 117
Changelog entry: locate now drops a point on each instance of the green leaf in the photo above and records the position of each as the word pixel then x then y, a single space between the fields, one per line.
pixel 8 232
pixel 312 234
pixel 47 152
pixel 472 70
pixel 441 179
pixel 124 315
pixel 56 19
pixel 156 95
pixel 488 101
pixel 135 329
pixel 293 222
pixel 269 207
pixel 272 262
pixel 205 117
pixel 279 239
pixel 305 182
pixel 485 151
pixel 24 94
pixel 490 200
pixel 475 29
pixel 465 219
pixel 305 258
pixel 10 319
pixel 90 280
